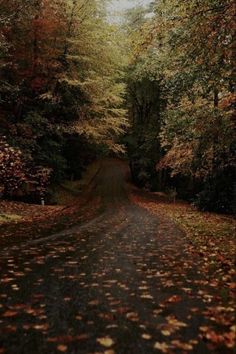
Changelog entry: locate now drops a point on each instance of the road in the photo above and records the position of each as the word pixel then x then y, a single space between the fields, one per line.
pixel 125 282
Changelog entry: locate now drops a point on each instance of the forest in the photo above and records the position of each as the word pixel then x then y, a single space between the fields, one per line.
pixel 117 176
pixel 156 89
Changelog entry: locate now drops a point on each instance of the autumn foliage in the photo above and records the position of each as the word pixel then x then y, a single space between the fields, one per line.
pixel 20 177
pixel 73 83
pixel 182 100
pixel 12 171
pixel 60 84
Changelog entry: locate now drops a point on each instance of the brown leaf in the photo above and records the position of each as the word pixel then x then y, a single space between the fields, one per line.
pixel 10 313
pixel 174 298
pixel 62 348
pixel 94 303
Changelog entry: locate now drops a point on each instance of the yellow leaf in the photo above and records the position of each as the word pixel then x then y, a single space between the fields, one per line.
pixel 105 341
pixel 162 347
pixel 165 333
pixel 146 336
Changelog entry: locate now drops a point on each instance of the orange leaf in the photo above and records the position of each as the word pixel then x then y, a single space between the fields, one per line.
pixel 9 313
pixel 62 348
pixel 174 298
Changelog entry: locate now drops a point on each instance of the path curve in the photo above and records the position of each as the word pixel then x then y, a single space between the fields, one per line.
pixel 125 282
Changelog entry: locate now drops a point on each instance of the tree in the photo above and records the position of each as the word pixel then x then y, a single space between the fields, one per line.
pixel 61 76
pixel 197 123
pixel 144 101
pixel 192 49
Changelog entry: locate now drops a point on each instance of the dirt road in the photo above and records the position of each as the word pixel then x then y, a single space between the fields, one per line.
pixel 124 282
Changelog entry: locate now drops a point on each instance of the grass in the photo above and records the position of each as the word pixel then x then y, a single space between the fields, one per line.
pixel 211 233
pixel 68 191
pixel 7 218
pixel 206 229
pixel 36 221
pixel 64 195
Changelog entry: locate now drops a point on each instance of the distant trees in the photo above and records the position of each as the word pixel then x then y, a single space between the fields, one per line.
pixel 61 72
pixel 144 101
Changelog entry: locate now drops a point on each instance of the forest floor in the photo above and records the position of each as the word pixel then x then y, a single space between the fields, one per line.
pixel 23 222
pixel 124 271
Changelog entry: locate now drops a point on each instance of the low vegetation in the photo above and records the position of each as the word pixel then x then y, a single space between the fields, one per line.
pixel 211 234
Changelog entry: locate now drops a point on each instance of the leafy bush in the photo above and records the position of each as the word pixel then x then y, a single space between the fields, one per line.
pixel 38 181
pixel 218 194
pixel 12 168
pixel 21 178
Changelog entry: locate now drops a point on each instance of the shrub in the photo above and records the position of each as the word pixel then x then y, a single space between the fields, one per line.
pixel 12 168
pixel 21 178
pixel 218 194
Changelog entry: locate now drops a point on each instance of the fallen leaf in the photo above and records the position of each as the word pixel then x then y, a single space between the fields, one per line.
pixel 62 348
pixel 146 336
pixel 105 341
pixel 132 316
pixel 166 333
pixel 94 303
pixel 163 347
pixel 146 296
pixel 180 345
pixel 174 298
pixel 9 313
pixel 41 327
